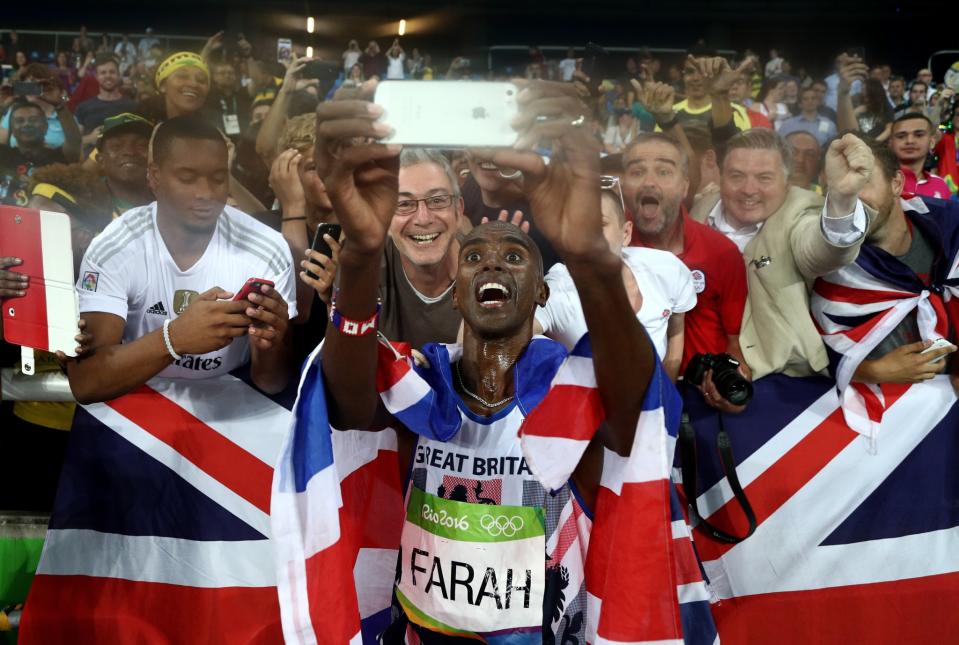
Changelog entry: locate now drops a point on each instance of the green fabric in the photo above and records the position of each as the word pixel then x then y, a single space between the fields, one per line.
pixel 21 540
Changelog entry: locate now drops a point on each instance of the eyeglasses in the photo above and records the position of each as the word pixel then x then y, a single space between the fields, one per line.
pixel 433 203
pixel 611 183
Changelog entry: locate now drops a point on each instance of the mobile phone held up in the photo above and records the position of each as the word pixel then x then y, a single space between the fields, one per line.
pixel 252 285
pixel 27 88
pixel 451 114
pixel 320 245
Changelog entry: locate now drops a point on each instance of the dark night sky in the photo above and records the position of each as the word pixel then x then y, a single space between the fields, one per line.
pixel 809 32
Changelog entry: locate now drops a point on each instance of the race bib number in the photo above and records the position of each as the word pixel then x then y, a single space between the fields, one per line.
pixel 470 569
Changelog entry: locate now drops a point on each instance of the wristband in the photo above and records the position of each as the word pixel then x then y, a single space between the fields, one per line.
pixel 352 327
pixel 168 342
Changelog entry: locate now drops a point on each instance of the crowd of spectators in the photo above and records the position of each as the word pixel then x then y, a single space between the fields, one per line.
pixel 730 186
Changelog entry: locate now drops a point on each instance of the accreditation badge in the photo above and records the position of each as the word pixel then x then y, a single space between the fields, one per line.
pixel 470 569
pixel 231 125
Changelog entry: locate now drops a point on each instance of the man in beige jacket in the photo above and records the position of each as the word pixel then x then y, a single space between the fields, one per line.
pixel 788 237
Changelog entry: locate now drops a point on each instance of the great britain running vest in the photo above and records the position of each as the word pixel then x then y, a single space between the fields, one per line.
pixel 485 553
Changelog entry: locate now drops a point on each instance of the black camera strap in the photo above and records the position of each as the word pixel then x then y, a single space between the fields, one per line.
pixel 687 448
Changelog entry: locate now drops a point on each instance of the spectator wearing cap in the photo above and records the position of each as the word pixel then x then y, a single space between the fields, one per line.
pixel 122 156
pixel 108 102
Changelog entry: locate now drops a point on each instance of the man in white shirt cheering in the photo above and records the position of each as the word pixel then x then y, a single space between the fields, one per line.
pixel 155 286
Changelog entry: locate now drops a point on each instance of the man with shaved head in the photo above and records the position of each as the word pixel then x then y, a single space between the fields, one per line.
pixel 492 381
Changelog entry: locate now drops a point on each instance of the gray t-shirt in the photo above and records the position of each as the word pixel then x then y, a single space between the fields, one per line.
pixel 919 258
pixel 406 315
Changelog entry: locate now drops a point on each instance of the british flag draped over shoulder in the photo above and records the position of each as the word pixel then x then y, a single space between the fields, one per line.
pixel 338 509
pixel 856 307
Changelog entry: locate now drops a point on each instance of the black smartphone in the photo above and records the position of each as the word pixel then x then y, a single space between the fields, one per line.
pixel 325 71
pixel 320 245
pixel 27 88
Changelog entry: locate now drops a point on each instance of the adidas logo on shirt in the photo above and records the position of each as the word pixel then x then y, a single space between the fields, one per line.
pixel 157 309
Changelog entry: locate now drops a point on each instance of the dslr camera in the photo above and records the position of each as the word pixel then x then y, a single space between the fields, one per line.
pixel 732 385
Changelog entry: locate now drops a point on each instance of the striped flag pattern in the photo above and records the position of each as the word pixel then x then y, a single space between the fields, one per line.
pixel 856 307
pixel 639 561
pixel 160 530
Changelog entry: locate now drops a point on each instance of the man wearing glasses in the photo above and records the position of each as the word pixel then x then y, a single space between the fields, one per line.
pixel 420 258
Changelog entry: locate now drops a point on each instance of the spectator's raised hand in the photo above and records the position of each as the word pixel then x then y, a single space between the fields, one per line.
pixel 324 267
pixel 296 64
pixel 718 75
pixel 851 68
pixel 12 284
pixel 518 219
pixel 212 43
pixel 656 98
pixel 285 182
pixel 360 174
pixel 849 163
pixel 564 195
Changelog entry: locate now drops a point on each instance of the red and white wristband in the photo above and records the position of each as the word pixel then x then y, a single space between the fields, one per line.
pixel 352 327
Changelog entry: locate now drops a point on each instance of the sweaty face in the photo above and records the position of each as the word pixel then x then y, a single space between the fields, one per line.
pixel 192 182
pixel 123 158
pixel 425 235
pixel 108 76
pixel 654 185
pixel 499 280
pixel 911 140
pixel 186 89
pixel 752 185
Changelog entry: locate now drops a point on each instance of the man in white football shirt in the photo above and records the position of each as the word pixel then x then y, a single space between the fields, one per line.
pixel 156 286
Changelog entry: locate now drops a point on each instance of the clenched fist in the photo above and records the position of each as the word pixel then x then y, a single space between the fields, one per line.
pixel 849 164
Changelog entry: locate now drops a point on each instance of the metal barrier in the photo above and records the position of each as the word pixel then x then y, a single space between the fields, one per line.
pixel 68 37
pixel 48 386
pixel 562 49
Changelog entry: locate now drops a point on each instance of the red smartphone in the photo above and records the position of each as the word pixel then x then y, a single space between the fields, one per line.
pixel 252 286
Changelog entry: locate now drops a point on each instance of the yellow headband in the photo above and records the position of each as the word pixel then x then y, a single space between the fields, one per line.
pixel 174 62
pixel 51 192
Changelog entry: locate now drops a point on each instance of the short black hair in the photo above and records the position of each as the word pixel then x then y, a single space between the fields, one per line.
pixel 19 104
pixel 182 127
pixel 909 116
pixel 106 58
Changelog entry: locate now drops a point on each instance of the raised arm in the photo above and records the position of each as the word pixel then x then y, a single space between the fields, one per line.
pixel 565 199
pixel 832 240
pixel 850 69
pixel 275 119
pixel 362 180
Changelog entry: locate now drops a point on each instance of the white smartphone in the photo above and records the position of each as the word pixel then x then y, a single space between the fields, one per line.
pixel 448 114
pixel 939 343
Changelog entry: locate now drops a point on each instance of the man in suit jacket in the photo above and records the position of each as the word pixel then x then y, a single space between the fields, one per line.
pixel 788 237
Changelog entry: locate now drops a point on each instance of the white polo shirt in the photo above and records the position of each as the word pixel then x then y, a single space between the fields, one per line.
pixel 128 271
pixel 664 281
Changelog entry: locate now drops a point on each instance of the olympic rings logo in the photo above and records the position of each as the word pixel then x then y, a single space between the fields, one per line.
pixel 502 525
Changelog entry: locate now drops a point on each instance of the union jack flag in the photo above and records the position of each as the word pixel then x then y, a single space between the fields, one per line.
pixel 160 531
pixel 852 545
pixel 859 305
pixel 338 506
